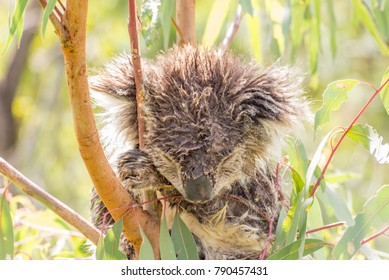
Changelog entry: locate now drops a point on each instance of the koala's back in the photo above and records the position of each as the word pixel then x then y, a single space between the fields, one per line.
pixel 213 127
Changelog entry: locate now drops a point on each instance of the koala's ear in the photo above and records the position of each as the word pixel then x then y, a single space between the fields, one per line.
pixel 113 93
pixel 274 97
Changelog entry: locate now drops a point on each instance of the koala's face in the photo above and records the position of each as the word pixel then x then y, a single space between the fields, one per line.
pixel 201 159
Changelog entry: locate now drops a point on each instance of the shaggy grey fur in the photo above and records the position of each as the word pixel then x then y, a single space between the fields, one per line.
pixel 214 128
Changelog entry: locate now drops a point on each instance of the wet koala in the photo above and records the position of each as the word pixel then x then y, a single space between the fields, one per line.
pixel 214 129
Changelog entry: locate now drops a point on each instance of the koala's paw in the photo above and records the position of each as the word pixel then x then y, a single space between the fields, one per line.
pixel 137 171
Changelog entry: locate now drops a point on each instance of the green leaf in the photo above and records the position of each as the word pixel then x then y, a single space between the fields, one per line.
pixel 167 11
pixel 247 7
pixel 16 22
pixel 100 252
pixel 385 91
pixel 291 252
pixel 332 25
pixel 280 233
pixel 371 140
pixel 367 19
pixel 215 21
pixel 315 35
pixel 48 10
pixel 253 26
pixel 111 242
pixel 150 23
pixel 183 240
pixel 297 156
pixel 146 250
pixel 381 11
pixel 297 24
pixel 333 97
pixel 6 231
pixel 341 210
pixel 376 208
pixel 165 242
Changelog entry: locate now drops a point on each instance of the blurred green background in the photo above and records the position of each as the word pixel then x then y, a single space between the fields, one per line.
pixel 45 149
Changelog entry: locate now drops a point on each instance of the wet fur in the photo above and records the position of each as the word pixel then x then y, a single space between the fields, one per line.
pixel 205 114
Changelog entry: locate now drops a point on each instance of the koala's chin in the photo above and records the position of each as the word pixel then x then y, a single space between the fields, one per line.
pixel 210 120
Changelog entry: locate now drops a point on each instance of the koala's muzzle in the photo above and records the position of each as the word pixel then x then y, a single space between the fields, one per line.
pixel 198 190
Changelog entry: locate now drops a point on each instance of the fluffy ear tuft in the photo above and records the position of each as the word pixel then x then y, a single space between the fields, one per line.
pixel 274 96
pixel 273 104
pixel 113 93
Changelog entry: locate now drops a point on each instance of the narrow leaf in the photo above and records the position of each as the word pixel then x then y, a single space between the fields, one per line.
pixel 183 240
pixel 280 234
pixel 150 23
pixel 48 10
pixel 385 91
pixel 297 156
pixel 247 7
pixel 253 26
pixel 315 35
pixel 297 24
pixel 367 19
pixel 146 250
pixel 16 22
pixel 100 252
pixel 333 97
pixel 341 210
pixel 371 140
pixel 111 242
pixel 332 25
pixel 167 11
pixel 376 208
pixel 165 242
pixel 215 21
pixel 291 252
pixel 6 231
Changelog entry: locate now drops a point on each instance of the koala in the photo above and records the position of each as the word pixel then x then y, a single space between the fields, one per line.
pixel 214 126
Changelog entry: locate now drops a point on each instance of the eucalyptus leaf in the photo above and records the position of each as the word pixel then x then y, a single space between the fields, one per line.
pixel 371 140
pixel 6 231
pixel 48 10
pixel 332 25
pixel 146 250
pixel 385 91
pixel 333 97
pixel 367 19
pixel 165 242
pixel 291 252
pixel 16 22
pixel 183 241
pixel 215 21
pixel 247 7
pixel 108 248
pixel 376 208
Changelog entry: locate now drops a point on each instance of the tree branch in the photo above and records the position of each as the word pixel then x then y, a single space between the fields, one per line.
pixel 62 210
pixel 185 15
pixel 109 188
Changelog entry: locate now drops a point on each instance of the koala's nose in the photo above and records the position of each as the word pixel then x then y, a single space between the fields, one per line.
pixel 198 190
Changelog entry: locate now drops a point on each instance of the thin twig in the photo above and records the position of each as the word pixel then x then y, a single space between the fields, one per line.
pixel 325 227
pixel 383 231
pixel 136 62
pixel 62 210
pixel 231 31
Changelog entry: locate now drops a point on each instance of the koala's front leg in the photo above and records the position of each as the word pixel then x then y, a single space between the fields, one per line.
pixel 137 172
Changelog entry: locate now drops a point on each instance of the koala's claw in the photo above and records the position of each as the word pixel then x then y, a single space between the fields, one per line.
pixel 137 171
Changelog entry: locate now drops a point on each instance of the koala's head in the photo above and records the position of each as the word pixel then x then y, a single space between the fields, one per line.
pixel 211 120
